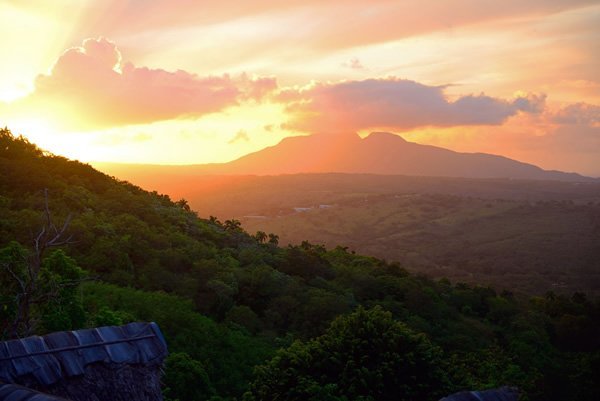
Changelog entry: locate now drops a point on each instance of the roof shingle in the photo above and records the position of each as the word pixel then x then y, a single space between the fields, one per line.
pixel 65 354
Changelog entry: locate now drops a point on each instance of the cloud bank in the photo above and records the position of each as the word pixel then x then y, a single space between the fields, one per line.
pixel 339 23
pixel 578 114
pixel 395 103
pixel 99 90
pixel 90 87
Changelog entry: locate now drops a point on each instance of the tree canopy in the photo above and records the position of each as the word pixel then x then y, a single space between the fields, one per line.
pixel 366 355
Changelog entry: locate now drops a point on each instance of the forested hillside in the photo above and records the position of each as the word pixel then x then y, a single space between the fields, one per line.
pixel 527 246
pixel 529 236
pixel 317 323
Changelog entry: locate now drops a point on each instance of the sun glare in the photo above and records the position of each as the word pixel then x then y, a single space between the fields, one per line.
pixel 47 137
pixel 11 94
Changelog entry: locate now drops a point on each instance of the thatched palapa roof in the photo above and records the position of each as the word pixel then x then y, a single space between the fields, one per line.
pixel 500 394
pixel 105 363
pixel 15 392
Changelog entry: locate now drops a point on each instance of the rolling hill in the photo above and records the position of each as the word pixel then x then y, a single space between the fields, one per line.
pixel 527 246
pixel 378 153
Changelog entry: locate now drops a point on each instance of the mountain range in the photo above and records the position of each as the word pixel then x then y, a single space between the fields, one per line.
pixel 379 153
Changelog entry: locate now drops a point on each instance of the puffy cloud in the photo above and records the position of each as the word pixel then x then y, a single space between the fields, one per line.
pixel 256 88
pixel 395 103
pixel 96 89
pixel 578 114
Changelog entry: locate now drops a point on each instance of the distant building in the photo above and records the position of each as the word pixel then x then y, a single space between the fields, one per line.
pixel 114 363
pixel 302 209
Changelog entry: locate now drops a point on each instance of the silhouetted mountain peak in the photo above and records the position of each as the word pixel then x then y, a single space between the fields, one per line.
pixel 385 136
pixel 319 138
pixel 379 153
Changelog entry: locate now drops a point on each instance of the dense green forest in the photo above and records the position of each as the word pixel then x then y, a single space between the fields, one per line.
pixel 529 236
pixel 527 246
pixel 247 319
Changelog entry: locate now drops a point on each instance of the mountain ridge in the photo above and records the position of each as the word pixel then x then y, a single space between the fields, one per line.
pixel 382 153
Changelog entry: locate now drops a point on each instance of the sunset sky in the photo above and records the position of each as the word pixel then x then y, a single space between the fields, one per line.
pixel 188 82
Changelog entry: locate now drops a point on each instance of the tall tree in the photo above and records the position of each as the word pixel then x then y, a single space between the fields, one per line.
pixel 366 355
pixel 23 270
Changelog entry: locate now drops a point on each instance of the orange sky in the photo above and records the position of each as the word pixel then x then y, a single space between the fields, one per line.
pixel 182 81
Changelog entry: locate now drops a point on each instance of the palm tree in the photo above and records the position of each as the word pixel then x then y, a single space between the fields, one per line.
pixel 260 237
pixel 232 225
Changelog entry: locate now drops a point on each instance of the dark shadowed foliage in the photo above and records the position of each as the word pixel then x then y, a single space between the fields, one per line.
pixel 363 356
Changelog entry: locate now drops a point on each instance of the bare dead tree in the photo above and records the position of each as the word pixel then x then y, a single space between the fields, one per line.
pixel 49 236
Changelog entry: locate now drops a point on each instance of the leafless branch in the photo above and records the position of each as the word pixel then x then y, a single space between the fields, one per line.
pixel 58 234
pixel 6 266
pixel 48 236
pixel 47 209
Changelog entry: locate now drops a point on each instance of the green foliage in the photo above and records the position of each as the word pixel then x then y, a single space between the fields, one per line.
pixel 228 300
pixel 62 308
pixel 13 271
pixel 186 379
pixel 243 316
pixel 487 368
pixel 480 231
pixel 226 355
pixel 54 301
pixel 108 317
pixel 366 355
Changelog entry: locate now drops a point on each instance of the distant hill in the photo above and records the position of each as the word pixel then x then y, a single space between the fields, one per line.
pixel 523 245
pixel 527 235
pixel 379 153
